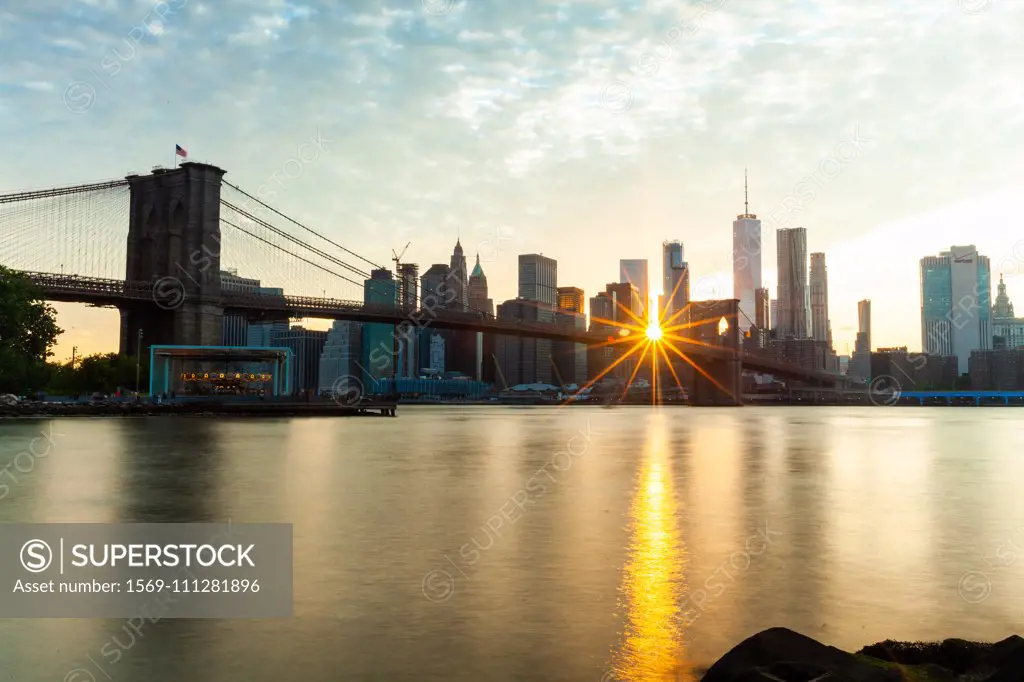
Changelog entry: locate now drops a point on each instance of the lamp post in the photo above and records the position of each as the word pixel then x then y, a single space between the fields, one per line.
pixel 138 362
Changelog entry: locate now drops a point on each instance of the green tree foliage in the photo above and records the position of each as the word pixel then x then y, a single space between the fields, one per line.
pixel 103 372
pixel 28 332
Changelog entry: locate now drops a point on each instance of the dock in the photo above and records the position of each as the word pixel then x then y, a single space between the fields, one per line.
pixel 368 407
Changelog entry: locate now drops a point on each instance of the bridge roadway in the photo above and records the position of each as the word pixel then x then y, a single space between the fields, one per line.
pixel 170 293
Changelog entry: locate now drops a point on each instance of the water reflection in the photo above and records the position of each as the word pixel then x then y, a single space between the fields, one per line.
pixel 652 644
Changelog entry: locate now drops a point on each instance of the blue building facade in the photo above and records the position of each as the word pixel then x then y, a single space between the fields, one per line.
pixel 378 340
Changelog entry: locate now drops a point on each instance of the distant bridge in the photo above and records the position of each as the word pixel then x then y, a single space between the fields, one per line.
pixel 163 272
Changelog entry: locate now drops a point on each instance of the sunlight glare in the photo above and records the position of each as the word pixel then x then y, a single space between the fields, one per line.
pixel 654 331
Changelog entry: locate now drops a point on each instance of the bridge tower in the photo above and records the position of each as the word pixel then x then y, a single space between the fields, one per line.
pixel 724 387
pixel 174 243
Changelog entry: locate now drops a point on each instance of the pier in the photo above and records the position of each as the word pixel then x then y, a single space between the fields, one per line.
pixel 368 407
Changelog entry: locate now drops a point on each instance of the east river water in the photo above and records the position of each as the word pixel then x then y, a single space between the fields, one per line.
pixel 579 544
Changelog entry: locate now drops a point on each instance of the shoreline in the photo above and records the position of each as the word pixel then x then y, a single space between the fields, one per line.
pixel 47 410
pixel 782 655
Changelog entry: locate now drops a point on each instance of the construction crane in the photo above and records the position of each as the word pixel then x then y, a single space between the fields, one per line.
pixel 398 256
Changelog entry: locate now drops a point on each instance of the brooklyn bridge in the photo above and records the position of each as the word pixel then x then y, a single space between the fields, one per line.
pixel 153 247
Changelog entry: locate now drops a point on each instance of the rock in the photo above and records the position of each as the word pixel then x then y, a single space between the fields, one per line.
pixel 788 656
pixel 955 655
pixel 1008 661
pixel 1001 652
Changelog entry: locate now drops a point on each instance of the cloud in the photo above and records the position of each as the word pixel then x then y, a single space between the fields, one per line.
pixel 451 116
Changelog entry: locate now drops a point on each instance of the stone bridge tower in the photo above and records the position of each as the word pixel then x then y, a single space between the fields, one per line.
pixel 716 323
pixel 174 243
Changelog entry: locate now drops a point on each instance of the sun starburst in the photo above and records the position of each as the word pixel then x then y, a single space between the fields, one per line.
pixel 649 339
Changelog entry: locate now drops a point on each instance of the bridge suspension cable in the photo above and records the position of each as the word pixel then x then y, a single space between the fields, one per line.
pixel 74 230
pixel 294 240
pixel 60 191
pixel 294 255
pixel 297 223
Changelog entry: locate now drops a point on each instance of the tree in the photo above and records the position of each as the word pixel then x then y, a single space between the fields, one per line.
pixel 28 332
pixel 103 372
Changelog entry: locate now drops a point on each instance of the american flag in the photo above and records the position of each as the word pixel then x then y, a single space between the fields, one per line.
pixel 180 151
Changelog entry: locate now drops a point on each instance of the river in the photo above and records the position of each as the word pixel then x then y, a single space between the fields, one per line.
pixel 582 544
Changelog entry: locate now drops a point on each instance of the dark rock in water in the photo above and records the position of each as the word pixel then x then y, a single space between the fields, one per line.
pixel 1007 658
pixel 977 660
pixel 955 655
pixel 781 654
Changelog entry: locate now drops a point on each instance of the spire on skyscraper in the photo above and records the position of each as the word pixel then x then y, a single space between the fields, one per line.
pixel 746 199
pixel 477 270
pixel 746 196
pixel 1002 307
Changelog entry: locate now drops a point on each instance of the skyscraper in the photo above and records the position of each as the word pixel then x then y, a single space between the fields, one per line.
pixel 956 304
pixel 478 300
pixel 626 304
pixel 379 342
pixel 746 260
pixel 762 314
pixel 792 296
pixel 408 286
pixel 571 299
pixel 436 290
pixel 675 279
pixel 864 320
pixel 1006 329
pixel 408 300
pixel 634 271
pixel 340 356
pixel 538 279
pixel 538 285
pixel 459 280
pixel 860 363
pixel 820 326
pixel 601 308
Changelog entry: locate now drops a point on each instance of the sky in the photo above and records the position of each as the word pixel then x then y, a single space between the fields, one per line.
pixel 587 131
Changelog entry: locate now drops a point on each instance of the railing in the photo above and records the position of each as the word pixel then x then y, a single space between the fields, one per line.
pixel 299 306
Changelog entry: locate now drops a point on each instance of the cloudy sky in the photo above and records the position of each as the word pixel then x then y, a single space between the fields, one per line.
pixel 588 131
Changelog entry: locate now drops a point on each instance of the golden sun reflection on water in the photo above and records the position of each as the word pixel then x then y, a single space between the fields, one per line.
pixel 651 647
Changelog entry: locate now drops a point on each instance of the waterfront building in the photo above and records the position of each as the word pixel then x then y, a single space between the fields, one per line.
pixel 261 334
pixel 915 371
pixel 307 346
pixel 997 370
pixel 341 355
pixel 956 304
pixel 234 328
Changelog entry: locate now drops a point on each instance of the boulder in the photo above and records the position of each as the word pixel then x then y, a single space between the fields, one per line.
pixel 1008 661
pixel 955 655
pixel 788 656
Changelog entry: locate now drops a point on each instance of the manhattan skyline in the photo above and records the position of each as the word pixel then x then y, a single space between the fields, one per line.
pixel 445 120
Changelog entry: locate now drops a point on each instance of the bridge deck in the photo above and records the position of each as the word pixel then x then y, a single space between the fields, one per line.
pixel 170 293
